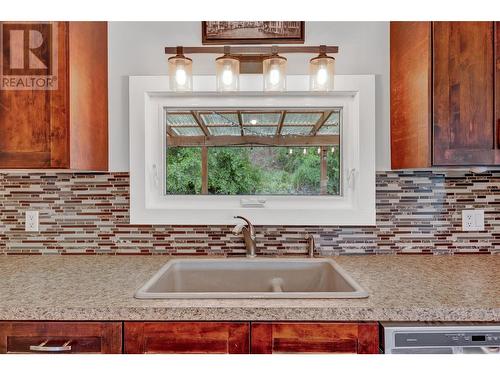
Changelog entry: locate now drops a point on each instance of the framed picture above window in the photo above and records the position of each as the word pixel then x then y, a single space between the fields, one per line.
pixel 252 32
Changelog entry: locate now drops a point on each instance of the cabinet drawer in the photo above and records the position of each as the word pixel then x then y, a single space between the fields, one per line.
pixel 187 337
pixel 276 338
pixel 60 337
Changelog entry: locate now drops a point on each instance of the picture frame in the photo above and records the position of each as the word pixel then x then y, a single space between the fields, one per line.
pixel 253 32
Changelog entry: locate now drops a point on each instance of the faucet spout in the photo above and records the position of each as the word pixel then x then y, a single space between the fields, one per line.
pixel 249 236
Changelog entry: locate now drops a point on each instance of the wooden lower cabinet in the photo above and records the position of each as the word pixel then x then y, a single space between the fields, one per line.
pixel 285 337
pixel 187 337
pixel 61 337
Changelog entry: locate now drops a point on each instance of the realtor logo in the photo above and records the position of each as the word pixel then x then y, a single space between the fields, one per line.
pixel 29 56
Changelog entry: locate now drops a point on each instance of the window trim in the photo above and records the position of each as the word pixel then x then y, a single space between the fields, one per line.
pixel 148 97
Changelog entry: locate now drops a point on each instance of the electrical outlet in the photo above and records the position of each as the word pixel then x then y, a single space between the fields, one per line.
pixel 472 220
pixel 31 221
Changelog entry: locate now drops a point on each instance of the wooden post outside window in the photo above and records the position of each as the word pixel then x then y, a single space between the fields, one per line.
pixel 324 172
pixel 204 170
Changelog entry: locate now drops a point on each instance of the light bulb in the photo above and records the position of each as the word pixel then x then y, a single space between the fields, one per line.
pixel 322 75
pixel 180 76
pixel 319 150
pixel 227 76
pixel 253 121
pixel 333 150
pixel 305 151
pixel 274 75
pixel 290 151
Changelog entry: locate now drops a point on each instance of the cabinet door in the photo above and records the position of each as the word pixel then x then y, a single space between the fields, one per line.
pixel 463 94
pixel 187 337
pixel 60 337
pixel 410 95
pixel 497 91
pixel 275 338
pixel 33 123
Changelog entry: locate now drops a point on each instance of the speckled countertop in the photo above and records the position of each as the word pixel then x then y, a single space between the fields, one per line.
pixel 406 288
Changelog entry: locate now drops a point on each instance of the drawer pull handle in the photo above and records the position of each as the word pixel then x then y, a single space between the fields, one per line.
pixel 66 347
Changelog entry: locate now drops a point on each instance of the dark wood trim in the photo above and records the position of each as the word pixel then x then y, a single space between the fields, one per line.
pixel 207 40
pixel 248 140
pixel 250 50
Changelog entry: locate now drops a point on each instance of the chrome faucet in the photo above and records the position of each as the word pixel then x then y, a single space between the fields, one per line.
pixel 248 231
pixel 311 245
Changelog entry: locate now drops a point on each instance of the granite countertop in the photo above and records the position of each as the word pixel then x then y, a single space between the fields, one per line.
pixel 401 287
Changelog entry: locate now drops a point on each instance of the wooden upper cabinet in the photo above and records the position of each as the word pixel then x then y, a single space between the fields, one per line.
pixel 451 68
pixel 187 337
pixel 410 94
pixel 62 128
pixel 463 93
pixel 291 337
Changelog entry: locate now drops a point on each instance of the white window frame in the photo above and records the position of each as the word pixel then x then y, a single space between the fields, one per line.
pixel 150 96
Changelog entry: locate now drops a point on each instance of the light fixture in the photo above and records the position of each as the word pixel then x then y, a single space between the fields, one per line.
pixel 251 60
pixel 290 151
pixel 228 72
pixel 321 71
pixel 253 121
pixel 319 150
pixel 305 151
pixel 274 69
pixel 180 72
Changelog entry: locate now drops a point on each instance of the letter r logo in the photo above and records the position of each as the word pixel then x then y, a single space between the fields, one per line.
pixel 27 49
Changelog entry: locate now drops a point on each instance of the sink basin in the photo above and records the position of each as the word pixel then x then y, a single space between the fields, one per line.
pixel 251 278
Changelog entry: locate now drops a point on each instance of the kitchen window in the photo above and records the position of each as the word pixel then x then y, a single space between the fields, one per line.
pixel 278 151
pixel 294 158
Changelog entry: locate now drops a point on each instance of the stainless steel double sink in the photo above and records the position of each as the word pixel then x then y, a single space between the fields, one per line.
pixel 251 278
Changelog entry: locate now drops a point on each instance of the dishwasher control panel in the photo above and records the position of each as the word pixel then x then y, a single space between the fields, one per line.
pixel 439 338
pixel 477 338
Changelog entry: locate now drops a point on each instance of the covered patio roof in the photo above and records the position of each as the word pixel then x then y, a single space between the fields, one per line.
pixel 283 127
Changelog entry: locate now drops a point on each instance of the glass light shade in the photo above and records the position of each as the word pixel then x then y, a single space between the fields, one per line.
pixel 228 73
pixel 180 72
pixel 274 69
pixel 321 72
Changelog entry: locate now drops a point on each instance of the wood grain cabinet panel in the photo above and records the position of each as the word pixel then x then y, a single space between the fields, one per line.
pixel 410 94
pixel 187 337
pixel 61 337
pixel 279 338
pixel 66 127
pixel 445 94
pixel 463 93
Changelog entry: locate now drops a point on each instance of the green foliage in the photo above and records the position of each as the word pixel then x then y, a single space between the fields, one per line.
pixel 183 170
pixel 251 170
pixel 232 172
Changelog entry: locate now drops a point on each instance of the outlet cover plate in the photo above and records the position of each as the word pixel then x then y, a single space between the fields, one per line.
pixel 472 220
pixel 31 221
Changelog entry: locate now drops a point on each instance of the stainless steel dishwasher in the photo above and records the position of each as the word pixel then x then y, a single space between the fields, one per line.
pixel 440 338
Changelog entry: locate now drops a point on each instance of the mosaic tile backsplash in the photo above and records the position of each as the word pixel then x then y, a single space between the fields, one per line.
pixel 417 212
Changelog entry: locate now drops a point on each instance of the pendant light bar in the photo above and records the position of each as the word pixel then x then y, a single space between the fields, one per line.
pixel 264 50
